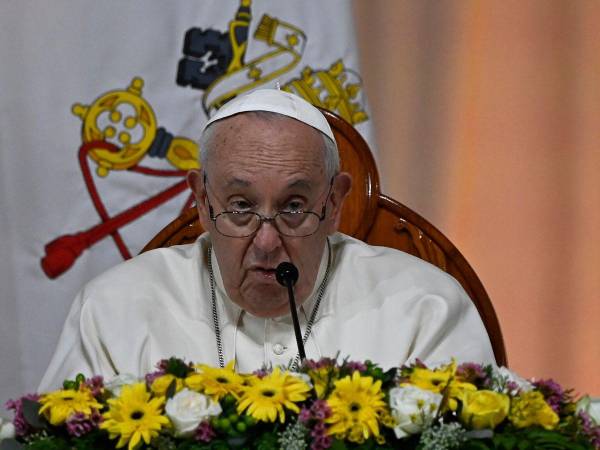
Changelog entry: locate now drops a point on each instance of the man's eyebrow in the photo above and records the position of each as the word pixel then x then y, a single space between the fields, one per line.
pixel 301 184
pixel 297 184
pixel 237 182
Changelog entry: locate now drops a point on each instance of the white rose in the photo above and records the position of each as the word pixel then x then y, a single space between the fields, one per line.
pixel 507 375
pixel 591 406
pixel 115 384
pixel 412 408
pixel 187 409
pixel 7 429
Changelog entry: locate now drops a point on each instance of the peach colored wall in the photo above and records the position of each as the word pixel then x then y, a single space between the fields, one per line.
pixel 487 117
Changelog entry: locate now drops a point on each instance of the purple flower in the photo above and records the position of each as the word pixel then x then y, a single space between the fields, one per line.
pixel 22 428
pixel 321 443
pixel 472 373
pixel 318 430
pixel 150 377
pixel 95 385
pixel 320 410
pixel 320 438
pixel 205 432
pixel 320 364
pixel 261 373
pixel 161 367
pixel 305 415
pixel 589 429
pixel 79 424
pixel 513 386
pixel 553 393
pixel 356 366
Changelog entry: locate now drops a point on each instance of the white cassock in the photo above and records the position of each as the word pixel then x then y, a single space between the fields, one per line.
pixel 379 304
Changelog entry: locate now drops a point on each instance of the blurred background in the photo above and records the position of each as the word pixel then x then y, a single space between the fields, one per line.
pixel 487 122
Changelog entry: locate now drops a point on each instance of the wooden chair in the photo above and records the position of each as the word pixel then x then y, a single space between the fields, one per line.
pixel 377 219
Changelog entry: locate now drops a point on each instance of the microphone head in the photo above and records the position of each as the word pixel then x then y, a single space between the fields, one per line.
pixel 286 273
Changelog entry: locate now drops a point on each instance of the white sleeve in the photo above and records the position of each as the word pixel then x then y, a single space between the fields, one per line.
pixel 451 327
pixel 79 349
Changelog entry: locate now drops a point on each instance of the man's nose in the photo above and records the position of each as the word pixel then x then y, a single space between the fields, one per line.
pixel 267 239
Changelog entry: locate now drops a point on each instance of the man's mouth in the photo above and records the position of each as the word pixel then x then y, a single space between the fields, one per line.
pixel 268 273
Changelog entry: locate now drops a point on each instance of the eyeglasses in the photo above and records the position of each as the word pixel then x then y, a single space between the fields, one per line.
pixel 241 224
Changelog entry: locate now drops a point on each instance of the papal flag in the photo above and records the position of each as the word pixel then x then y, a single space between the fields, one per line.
pixel 101 105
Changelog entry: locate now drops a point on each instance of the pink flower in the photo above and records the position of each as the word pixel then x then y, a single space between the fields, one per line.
pixel 22 428
pixel 79 424
pixel 553 393
pixel 205 432
pixel 474 373
pixel 95 385
pixel 589 429
pixel 356 366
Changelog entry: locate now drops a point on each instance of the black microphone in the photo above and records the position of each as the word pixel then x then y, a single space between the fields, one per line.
pixel 287 275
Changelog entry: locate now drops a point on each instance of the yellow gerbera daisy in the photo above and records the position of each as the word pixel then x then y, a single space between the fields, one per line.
pixel 357 406
pixel 435 380
pixel 216 382
pixel 161 384
pixel 265 398
pixel 57 406
pixel 134 416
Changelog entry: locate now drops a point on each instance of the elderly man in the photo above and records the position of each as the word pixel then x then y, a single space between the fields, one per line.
pixel 269 191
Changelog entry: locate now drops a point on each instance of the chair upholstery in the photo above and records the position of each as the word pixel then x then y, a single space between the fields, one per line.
pixel 377 219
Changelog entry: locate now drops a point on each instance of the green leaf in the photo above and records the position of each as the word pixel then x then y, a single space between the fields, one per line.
pixel 49 443
pixel 338 445
pixel 171 389
pixel 177 367
pixel 267 441
pixel 79 379
pixel 31 413
pixel 475 444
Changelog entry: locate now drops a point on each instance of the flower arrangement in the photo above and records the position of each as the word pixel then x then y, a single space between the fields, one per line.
pixel 325 404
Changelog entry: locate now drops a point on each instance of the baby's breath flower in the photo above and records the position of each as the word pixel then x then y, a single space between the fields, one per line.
pixel 293 437
pixel 446 436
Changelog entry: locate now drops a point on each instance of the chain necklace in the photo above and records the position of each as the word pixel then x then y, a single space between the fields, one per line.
pixel 309 324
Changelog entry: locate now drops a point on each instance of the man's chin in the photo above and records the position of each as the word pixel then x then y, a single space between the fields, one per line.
pixel 266 301
pixel 263 313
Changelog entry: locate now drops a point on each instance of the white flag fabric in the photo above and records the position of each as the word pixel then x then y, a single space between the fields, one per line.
pixel 100 107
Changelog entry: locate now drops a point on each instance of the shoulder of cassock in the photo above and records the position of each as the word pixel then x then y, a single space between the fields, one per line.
pixel 173 277
pixel 375 274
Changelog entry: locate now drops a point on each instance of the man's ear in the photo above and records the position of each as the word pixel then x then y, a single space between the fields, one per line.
pixel 195 181
pixel 340 190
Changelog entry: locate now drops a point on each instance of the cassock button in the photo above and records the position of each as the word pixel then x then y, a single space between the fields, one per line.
pixel 278 349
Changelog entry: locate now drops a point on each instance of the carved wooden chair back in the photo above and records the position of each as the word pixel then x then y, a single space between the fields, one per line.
pixel 377 219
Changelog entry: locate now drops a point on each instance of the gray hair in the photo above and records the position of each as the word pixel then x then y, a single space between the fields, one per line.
pixel 331 156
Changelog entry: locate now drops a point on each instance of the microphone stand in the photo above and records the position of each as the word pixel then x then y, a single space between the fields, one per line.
pixel 287 275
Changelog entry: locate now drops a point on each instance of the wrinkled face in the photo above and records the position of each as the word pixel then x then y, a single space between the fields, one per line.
pixel 266 166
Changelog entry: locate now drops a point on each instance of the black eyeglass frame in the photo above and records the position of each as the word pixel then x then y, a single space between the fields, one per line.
pixel 263 218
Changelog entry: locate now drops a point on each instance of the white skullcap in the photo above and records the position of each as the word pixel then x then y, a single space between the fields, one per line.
pixel 276 101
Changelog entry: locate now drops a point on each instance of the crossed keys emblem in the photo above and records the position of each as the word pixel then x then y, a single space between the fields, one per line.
pixel 119 129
